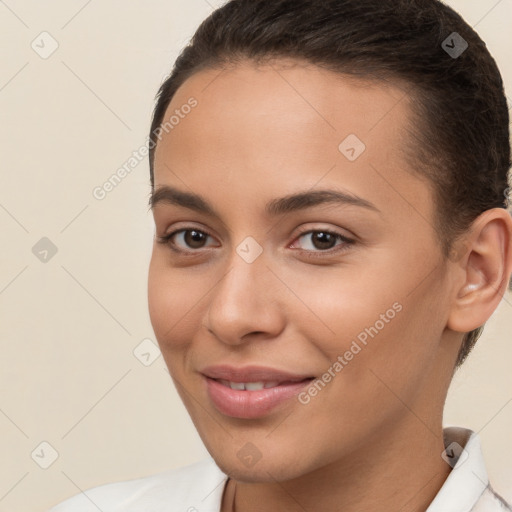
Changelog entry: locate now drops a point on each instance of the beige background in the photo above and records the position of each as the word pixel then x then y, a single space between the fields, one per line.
pixel 69 327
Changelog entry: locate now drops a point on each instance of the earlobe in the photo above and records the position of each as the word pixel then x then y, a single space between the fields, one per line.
pixel 486 269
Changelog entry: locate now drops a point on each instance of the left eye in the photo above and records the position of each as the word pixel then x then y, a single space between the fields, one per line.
pixel 323 240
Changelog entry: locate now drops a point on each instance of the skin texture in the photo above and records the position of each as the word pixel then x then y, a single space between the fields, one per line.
pixel 372 438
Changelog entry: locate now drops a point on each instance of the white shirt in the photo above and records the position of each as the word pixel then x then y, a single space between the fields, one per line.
pixel 199 487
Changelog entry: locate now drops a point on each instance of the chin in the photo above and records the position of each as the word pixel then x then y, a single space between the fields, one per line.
pixel 268 471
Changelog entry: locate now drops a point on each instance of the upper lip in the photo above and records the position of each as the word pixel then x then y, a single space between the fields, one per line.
pixel 251 373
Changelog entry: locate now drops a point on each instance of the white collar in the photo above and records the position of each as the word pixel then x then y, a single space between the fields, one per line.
pixel 468 479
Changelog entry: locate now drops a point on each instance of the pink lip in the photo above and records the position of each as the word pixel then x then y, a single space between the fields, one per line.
pixel 251 404
pixel 251 373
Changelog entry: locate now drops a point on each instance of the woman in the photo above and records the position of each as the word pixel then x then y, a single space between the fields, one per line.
pixel 329 189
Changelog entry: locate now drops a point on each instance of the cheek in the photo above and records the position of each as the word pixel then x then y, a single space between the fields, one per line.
pixel 371 322
pixel 171 302
pixel 338 305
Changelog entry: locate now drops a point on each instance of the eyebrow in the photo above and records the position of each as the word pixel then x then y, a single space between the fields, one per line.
pixel 287 204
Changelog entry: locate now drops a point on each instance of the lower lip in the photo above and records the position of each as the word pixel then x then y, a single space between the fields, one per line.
pixel 250 404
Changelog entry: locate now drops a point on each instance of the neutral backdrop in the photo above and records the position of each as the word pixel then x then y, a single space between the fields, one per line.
pixel 83 389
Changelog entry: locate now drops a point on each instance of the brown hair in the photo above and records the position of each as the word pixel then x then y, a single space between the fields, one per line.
pixel 461 136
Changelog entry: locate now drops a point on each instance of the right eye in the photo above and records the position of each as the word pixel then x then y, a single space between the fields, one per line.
pixel 191 240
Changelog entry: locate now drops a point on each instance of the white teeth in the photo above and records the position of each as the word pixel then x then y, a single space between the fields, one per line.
pixel 249 386
pixel 254 386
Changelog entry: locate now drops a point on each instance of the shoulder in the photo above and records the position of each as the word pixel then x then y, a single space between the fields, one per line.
pixel 176 489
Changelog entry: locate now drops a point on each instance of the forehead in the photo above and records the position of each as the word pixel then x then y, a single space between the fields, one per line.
pixel 285 125
pixel 292 99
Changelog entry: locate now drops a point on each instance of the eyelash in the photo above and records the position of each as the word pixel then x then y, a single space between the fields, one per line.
pixel 347 242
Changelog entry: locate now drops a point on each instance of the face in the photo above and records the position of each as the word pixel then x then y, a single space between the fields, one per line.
pixel 350 286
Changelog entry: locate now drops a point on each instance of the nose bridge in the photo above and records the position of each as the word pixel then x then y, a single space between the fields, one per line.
pixel 247 268
pixel 243 284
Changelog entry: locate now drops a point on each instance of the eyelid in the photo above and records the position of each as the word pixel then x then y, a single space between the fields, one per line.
pixel 306 230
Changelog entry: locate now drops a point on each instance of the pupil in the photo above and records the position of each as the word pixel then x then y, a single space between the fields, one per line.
pixel 324 238
pixel 194 238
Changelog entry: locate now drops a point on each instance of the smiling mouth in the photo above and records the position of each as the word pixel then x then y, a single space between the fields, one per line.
pixel 253 399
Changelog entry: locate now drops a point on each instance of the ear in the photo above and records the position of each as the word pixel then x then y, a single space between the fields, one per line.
pixel 485 269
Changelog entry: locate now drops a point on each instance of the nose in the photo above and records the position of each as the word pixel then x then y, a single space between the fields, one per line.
pixel 245 302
